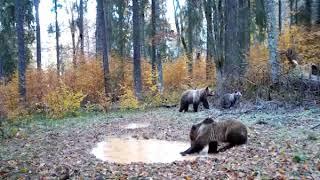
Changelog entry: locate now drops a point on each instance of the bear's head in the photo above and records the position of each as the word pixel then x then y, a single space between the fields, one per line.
pixel 237 94
pixel 207 92
pixel 194 132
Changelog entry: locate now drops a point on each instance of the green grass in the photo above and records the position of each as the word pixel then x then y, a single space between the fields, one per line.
pixel 40 121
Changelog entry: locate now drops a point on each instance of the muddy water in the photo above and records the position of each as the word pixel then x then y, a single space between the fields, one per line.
pixel 129 150
pixel 136 125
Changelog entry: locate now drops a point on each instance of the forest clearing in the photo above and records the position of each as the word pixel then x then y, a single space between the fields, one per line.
pixel 281 145
pixel 160 89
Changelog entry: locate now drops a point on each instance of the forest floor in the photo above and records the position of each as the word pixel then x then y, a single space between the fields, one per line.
pixel 282 144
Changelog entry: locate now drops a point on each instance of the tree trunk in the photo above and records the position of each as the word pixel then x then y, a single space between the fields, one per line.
pixel 215 28
pixel 19 14
pixel 74 52
pixel 160 74
pixel 122 40
pixel 81 32
pixel 103 20
pixel 220 43
pixel 318 14
pixel 296 11
pixel 280 15
pixel 208 13
pixel 1 69
pixel 244 33
pixel 272 40
pixel 99 29
pixel 142 23
pixel 137 49
pixel 121 10
pixel 190 36
pixel 38 34
pixel 153 43
pixel 308 13
pixel 108 9
pixel 291 12
pixel 232 64
pixel 73 31
pixel 176 20
pixel 57 39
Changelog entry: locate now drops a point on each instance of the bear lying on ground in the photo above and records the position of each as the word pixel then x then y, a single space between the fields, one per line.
pixel 209 132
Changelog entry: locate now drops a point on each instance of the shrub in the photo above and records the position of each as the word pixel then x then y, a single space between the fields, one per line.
pixel 87 78
pixel 128 100
pixel 175 75
pixel 63 101
pixel 9 95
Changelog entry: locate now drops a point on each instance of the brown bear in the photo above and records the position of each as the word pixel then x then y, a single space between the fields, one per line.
pixel 228 100
pixel 209 132
pixel 195 97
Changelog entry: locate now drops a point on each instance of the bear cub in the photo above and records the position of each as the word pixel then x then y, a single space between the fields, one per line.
pixel 228 100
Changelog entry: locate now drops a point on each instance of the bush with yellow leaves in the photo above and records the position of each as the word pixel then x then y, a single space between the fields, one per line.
pixel 9 95
pixel 63 102
pixel 128 100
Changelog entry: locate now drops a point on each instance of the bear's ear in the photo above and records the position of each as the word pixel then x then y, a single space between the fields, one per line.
pixel 208 121
pixel 194 127
pixel 207 88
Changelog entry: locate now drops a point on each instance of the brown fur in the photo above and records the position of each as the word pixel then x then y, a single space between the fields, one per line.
pixel 209 132
pixel 229 100
pixel 195 97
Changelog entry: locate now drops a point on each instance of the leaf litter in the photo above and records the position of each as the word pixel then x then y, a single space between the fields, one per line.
pixel 282 147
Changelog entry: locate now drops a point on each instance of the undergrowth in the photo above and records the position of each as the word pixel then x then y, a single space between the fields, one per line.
pixel 81 88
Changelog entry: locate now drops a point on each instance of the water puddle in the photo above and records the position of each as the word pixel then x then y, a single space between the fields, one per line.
pixel 136 125
pixel 124 151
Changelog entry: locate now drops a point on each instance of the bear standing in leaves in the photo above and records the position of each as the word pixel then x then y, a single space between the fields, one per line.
pixel 229 100
pixel 195 97
pixel 209 132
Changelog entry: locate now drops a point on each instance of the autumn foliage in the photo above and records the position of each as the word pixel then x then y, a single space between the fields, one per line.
pixel 303 41
pixel 83 87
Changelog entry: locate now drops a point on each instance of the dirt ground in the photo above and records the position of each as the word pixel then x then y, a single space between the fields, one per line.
pixel 281 145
